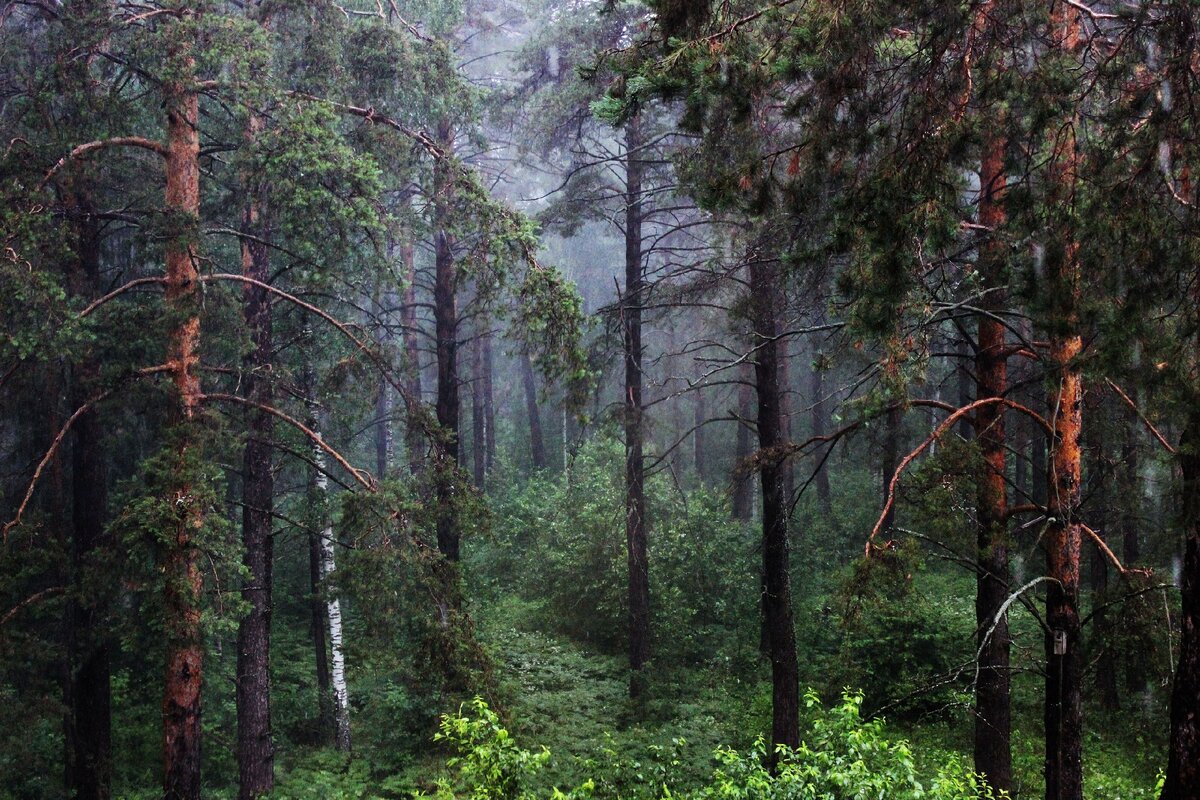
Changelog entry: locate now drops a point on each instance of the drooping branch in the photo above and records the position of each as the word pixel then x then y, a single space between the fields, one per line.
pixel 103 144
pixel 120 290
pixel 28 601
pixel 1149 425
pixel 412 405
pixel 933 437
pixel 1110 555
pixel 363 477
pixel 57 443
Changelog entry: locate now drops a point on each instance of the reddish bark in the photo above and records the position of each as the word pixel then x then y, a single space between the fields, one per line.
pixel 185 657
pixel 993 727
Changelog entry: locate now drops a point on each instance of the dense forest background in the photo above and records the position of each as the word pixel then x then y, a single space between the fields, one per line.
pixel 585 398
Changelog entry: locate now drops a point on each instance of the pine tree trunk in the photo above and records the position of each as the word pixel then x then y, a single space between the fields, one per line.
pixel 635 478
pixel 1183 751
pixel 489 404
pixel 478 417
pixel 412 356
pixel 993 725
pixel 445 303
pixel 765 300
pixel 255 750
pixel 183 581
pixel 743 484
pixel 88 700
pixel 1064 645
pixel 537 445
pixel 385 399
pixel 820 415
pixel 699 440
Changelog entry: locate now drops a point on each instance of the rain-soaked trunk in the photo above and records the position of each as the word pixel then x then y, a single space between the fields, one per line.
pixel 1064 650
pixel 635 490
pixel 182 586
pixel 255 750
pixel 993 726
pixel 765 299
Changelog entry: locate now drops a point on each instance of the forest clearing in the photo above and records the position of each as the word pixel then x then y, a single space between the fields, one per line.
pixel 564 399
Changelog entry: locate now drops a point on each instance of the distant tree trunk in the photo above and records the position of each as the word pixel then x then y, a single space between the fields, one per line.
pixel 537 445
pixel 489 404
pixel 445 303
pixel 183 581
pixel 256 752
pixel 820 414
pixel 1064 651
pixel 1183 751
pixel 765 299
pixel 89 684
pixel 993 725
pixel 1131 482
pixel 478 417
pixel 743 482
pixel 412 355
pixel 1098 516
pixel 699 440
pixel 965 384
pixel 635 478
pixel 385 399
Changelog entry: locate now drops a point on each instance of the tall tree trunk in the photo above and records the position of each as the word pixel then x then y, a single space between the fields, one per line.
pixel 537 444
pixel 1099 482
pixel 445 303
pixel 183 581
pixel 635 477
pixel 385 399
pixel 412 355
pixel 1064 651
pixel 743 483
pixel 820 415
pixel 993 725
pixel 699 439
pixel 1131 480
pixel 89 683
pixel 255 750
pixel 1183 751
pixel 765 300
pixel 478 417
pixel 489 404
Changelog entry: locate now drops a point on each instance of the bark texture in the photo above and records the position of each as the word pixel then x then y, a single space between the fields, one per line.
pixel 635 477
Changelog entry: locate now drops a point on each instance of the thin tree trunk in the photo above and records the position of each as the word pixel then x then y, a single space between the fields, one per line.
pixel 743 483
pixel 183 581
pixel 385 399
pixel 333 606
pixel 256 752
pixel 412 355
pixel 1098 515
pixel 993 724
pixel 478 417
pixel 635 478
pixel 820 415
pixel 777 597
pixel 89 683
pixel 699 439
pixel 445 303
pixel 1064 650
pixel 537 444
pixel 890 461
pixel 489 404
pixel 326 723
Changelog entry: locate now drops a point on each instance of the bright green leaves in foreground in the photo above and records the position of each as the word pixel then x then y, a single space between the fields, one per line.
pixel 844 757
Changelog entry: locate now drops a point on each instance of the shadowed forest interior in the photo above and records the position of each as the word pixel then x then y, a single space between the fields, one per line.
pixel 515 399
